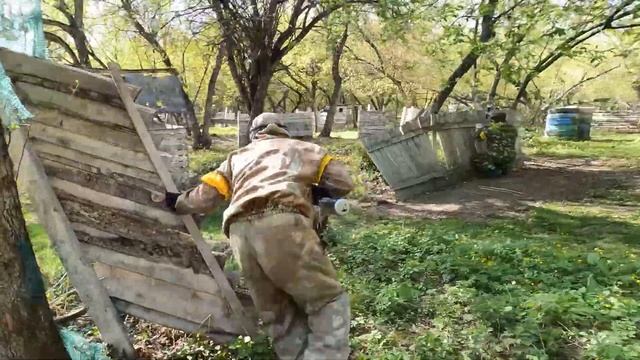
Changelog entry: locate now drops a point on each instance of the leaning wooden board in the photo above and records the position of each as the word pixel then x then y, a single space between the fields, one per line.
pixel 103 177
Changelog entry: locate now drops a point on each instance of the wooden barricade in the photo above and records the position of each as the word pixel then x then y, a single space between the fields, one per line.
pixel 427 153
pixel 91 163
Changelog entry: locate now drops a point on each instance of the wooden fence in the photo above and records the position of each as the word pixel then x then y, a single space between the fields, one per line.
pixel 428 153
pixel 618 121
pixel 92 163
pixel 374 123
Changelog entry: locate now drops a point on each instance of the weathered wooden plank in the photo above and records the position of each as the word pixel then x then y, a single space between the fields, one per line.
pixel 407 160
pixel 79 107
pixel 117 136
pixel 17 64
pixel 106 167
pixel 458 148
pixel 121 223
pixel 374 146
pixel 128 189
pixel 227 291
pixel 188 304
pixel 91 146
pixel 164 217
pixel 180 255
pixel 52 217
pixel 172 274
pixel 171 321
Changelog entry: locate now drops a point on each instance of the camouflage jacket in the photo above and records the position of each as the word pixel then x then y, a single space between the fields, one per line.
pixel 500 146
pixel 272 174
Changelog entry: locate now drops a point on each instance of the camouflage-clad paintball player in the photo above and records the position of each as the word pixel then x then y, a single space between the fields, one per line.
pixel 495 146
pixel 269 222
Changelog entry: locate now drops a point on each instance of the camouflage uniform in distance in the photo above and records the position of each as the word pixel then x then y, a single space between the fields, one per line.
pixel 269 222
pixel 498 144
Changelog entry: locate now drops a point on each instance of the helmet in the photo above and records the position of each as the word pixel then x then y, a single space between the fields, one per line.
pixel 268 123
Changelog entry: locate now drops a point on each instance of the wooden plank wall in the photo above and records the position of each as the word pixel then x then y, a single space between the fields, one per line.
pixel 617 121
pixel 407 162
pixel 104 179
pixel 374 123
pixel 429 152
pixel 339 121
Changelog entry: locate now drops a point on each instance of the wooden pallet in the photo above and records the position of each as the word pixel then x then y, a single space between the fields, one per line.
pixel 90 163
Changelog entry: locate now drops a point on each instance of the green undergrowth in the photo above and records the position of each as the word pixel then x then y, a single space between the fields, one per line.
pixel 602 146
pixel 204 161
pixel 353 154
pixel 50 265
pixel 562 283
pixel 227 131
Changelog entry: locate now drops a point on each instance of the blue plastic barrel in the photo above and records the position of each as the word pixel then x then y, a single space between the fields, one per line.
pixel 568 123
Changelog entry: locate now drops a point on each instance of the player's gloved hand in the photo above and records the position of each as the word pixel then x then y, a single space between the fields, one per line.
pixel 170 199
pixel 318 193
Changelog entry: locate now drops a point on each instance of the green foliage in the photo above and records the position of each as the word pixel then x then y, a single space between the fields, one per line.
pixel 48 261
pixel 604 146
pixel 561 283
pixel 204 161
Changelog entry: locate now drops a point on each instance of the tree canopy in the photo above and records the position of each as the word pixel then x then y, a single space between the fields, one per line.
pixel 437 55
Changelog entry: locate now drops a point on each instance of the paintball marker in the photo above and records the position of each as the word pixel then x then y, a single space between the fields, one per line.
pixel 328 204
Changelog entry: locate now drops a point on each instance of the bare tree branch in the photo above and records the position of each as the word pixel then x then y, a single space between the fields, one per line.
pixel 67 48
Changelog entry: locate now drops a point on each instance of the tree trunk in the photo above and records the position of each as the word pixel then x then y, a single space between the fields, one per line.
pixel 79 37
pixel 469 60
pixel 314 103
pixel 491 98
pixel 258 86
pixel 522 89
pixel 27 330
pixel 337 84
pixel 211 92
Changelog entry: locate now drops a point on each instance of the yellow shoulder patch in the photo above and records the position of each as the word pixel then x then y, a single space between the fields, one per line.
pixel 323 165
pixel 218 181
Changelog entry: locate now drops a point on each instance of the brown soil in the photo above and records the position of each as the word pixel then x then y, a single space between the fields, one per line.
pixel 539 180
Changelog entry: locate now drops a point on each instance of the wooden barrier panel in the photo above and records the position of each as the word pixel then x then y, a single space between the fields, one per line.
pixel 407 162
pixel 617 121
pixel 101 167
pixel 374 123
pixel 427 153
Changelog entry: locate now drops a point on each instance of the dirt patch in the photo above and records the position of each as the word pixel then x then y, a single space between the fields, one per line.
pixel 539 180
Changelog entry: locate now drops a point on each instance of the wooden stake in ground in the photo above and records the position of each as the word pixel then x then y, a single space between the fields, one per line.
pixel 27 330
pixel 204 249
pixel 51 215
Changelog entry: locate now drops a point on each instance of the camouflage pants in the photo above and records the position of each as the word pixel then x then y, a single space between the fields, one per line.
pixel 293 286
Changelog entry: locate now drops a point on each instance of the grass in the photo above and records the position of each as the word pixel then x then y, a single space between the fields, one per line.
pixel 563 283
pixel 223 130
pixel 603 146
pixel 50 265
pixel 46 256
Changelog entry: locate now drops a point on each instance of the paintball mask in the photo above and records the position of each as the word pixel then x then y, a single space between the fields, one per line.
pixel 268 123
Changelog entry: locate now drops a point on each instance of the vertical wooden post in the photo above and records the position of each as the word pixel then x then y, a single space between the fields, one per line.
pixel 204 249
pixel 51 215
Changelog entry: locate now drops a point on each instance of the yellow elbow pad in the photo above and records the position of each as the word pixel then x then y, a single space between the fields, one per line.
pixel 218 181
pixel 323 165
